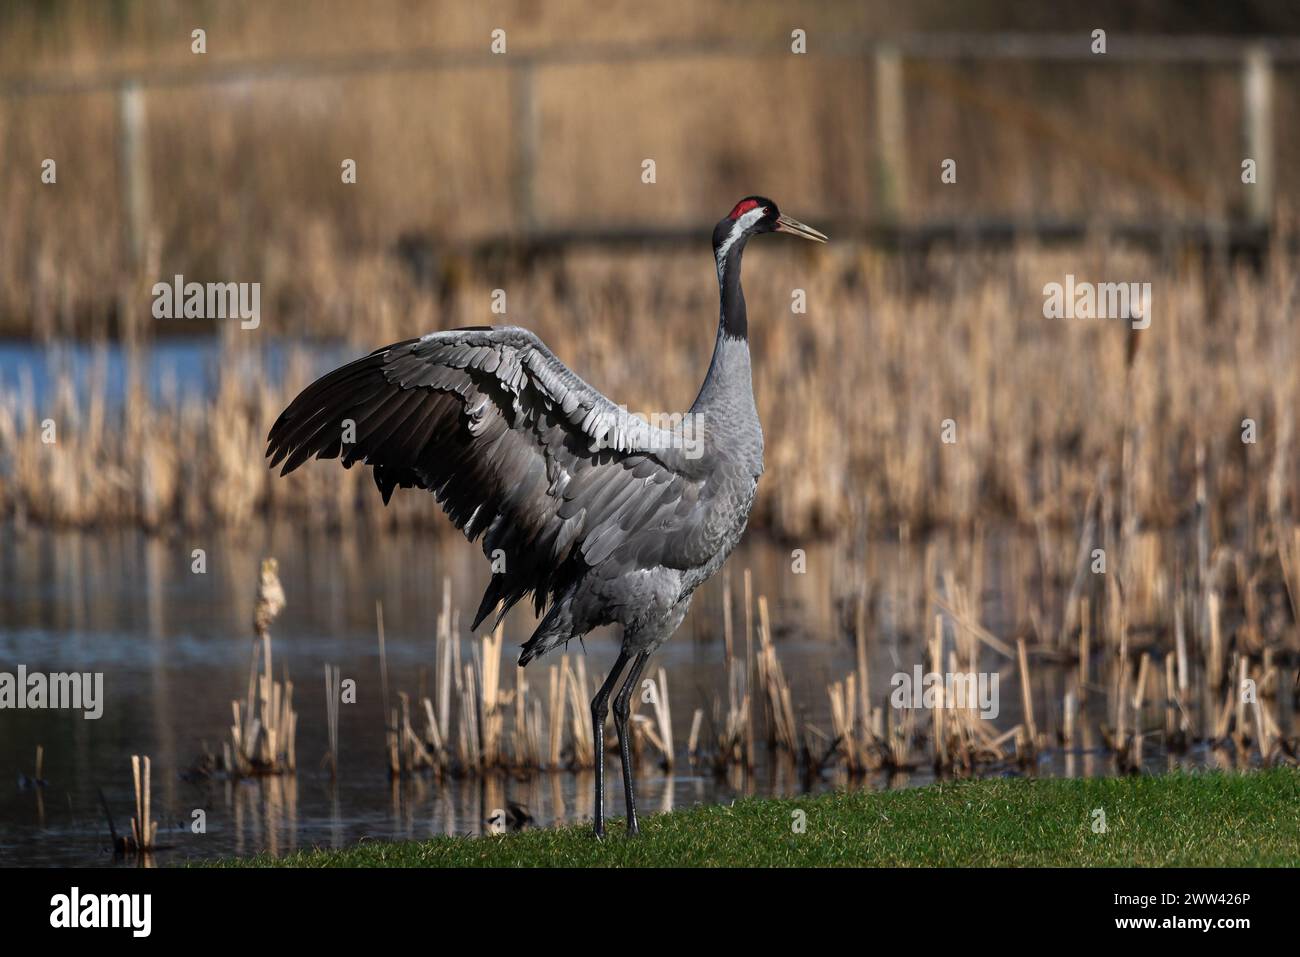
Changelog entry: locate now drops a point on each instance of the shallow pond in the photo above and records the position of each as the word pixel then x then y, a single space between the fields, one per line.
pixel 174 649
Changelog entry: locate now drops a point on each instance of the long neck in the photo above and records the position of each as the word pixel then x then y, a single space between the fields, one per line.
pixel 733 322
pixel 728 393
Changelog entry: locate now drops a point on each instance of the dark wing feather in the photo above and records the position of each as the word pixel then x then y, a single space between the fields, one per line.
pixel 516 448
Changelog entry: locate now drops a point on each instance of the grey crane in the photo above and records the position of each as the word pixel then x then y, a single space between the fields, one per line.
pixel 602 517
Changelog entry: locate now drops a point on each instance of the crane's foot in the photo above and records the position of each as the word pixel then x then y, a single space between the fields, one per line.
pixel 632 829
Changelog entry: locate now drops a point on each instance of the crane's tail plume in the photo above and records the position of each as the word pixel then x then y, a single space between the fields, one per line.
pixel 556 628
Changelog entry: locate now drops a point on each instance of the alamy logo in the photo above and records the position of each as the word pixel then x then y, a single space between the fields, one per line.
pixel 133 911
pixel 921 689
pixel 667 430
pixel 1106 300
pixel 57 691
pixel 214 300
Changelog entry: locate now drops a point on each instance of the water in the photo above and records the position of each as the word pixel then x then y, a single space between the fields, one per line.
pixel 174 650
pixel 170 369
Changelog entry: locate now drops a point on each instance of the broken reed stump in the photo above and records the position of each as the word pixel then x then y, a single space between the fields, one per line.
pixel 263 734
pixel 144 830
pixel 656 730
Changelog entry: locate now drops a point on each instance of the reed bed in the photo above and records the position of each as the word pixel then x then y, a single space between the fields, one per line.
pixel 1136 659
pixel 473 724
pixel 1151 656
pixel 853 395
pixel 1168 661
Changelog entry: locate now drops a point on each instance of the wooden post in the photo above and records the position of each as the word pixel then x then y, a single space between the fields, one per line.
pixel 133 169
pixel 1257 113
pixel 524 112
pixel 891 134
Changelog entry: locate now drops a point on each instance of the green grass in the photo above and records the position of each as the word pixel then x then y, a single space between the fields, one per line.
pixel 1201 819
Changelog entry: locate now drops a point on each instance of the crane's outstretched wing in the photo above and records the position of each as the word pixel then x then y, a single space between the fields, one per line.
pixel 516 448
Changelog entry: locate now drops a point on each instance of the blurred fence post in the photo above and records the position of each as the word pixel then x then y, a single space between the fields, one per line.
pixel 524 119
pixel 133 168
pixel 891 133
pixel 1257 113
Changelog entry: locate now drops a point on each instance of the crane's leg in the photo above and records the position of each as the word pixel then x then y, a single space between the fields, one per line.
pixel 622 710
pixel 600 708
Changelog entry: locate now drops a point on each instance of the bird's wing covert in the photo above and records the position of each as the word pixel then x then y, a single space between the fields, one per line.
pixel 514 445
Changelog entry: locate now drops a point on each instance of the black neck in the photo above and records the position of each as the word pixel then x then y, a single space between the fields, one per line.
pixel 734 323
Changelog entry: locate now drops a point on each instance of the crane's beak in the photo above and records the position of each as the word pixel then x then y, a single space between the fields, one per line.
pixel 784 224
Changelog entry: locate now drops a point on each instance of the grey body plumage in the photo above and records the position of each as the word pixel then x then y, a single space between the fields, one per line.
pixel 601 517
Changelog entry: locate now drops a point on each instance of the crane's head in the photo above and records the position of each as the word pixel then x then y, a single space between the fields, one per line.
pixel 756 214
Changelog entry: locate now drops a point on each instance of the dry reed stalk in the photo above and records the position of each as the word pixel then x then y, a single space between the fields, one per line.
pixel 1085 650
pixel 843 704
pixel 899 736
pixel 1263 739
pixel 383 656
pixel 444 642
pixel 739 724
pixel 693 739
pixel 526 734
pixel 1239 725
pixel 1180 646
pixel 1083 554
pixel 726 616
pixel 582 732
pixel 783 733
pixel 582 694
pixel 662 735
pixel 1288 553
pixel 1027 697
pixel 1171 703
pixel 470 754
pixel 966 732
pixel 144 830
pixel 750 666
pixel 1223 721
pixel 393 745
pixel 1214 664
pixel 434 742
pixel 980 632
pixel 1139 693
pixel 490 719
pixel 860 656
pixel 557 680
pixel 333 682
pixel 941 758
pixel 536 732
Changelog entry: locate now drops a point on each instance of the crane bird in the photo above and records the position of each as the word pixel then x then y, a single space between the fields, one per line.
pixel 602 517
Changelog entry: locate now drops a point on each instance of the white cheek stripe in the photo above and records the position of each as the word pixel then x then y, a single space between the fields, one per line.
pixel 742 225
